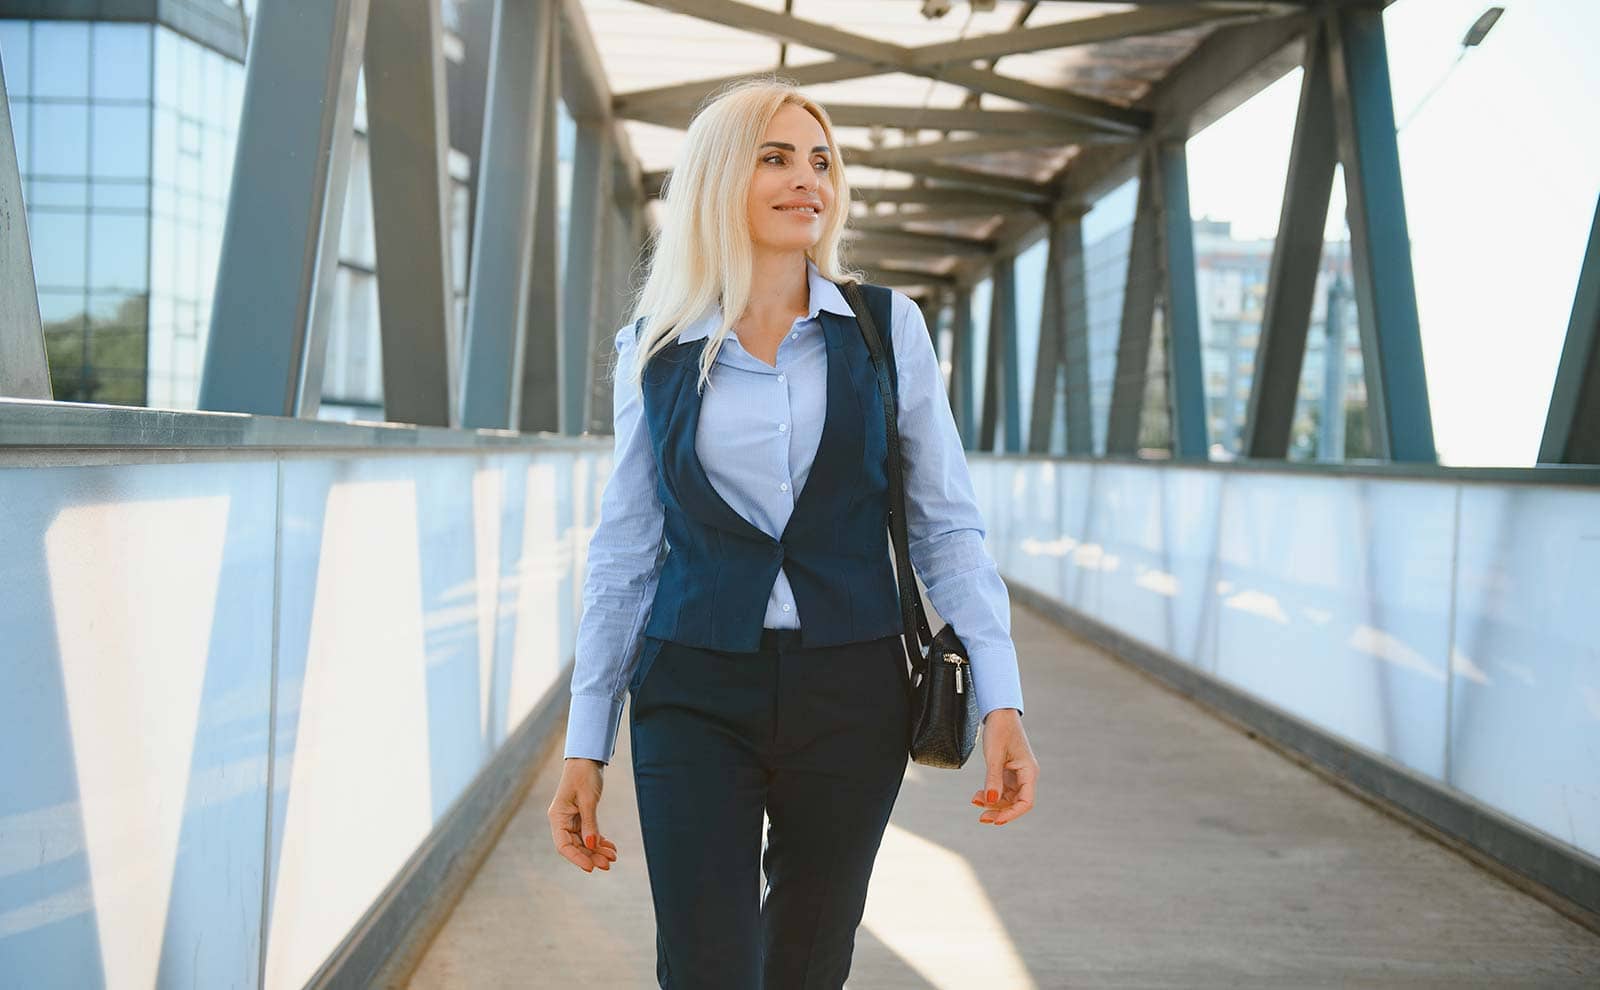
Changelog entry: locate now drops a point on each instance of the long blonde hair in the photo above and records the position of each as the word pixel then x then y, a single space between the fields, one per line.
pixel 701 255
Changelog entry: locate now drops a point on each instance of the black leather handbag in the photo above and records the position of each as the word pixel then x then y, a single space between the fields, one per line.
pixel 944 710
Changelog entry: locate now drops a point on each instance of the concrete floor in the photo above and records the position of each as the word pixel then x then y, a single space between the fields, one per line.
pixel 1166 849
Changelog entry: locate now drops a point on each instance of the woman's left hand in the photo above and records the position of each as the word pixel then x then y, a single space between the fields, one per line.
pixel 1012 769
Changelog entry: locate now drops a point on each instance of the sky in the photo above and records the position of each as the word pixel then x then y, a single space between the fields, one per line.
pixel 1500 169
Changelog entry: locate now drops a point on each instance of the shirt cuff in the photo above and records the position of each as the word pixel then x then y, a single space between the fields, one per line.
pixel 592 721
pixel 996 681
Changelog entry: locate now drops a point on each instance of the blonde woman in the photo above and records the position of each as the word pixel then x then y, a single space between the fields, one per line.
pixel 740 585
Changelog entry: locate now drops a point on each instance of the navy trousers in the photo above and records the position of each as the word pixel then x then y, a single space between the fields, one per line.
pixel 814 738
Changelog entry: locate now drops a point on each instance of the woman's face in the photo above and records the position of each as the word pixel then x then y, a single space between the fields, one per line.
pixel 790 191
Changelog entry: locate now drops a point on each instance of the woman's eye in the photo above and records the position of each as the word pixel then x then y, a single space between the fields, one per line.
pixel 824 163
pixel 769 158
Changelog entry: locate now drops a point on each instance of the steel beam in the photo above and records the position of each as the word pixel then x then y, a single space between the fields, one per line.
pixel 1138 312
pixel 1296 256
pixel 941 150
pixel 921 243
pixel 1572 426
pixel 497 298
pixel 963 370
pixel 1003 186
pixel 1386 296
pixel 1186 395
pixel 899 277
pixel 585 268
pixel 1075 325
pixel 1047 365
pixel 408 132
pixel 895 58
pixel 541 362
pixel 1000 369
pixel 268 335
pixel 24 370
pixel 1065 34
pixel 940 197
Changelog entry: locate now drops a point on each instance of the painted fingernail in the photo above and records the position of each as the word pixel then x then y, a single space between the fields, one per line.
pixel 588 840
pixel 993 796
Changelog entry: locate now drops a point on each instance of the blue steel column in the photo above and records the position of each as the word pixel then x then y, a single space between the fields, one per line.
pixel 408 132
pixel 1000 370
pixel 1138 314
pixel 1296 254
pixel 266 346
pixel 1386 297
pixel 24 372
pixel 962 369
pixel 541 362
pixel 1075 347
pixel 1187 395
pixel 1047 364
pixel 1572 427
pixel 585 268
pixel 502 248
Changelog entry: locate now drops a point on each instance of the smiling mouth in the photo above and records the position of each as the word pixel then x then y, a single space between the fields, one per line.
pixel 812 210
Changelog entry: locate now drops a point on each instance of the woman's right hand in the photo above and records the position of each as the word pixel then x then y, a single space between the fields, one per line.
pixel 573 825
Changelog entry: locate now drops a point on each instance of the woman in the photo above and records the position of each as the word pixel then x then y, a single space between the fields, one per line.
pixel 763 652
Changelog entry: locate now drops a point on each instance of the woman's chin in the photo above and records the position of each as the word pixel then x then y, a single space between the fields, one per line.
pixel 790 243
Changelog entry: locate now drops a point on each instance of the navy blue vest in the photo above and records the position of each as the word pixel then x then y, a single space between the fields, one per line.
pixel 720 567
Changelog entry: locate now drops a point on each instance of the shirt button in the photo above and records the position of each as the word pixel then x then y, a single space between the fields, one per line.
pixel 781 378
pixel 782 427
pixel 794 336
pixel 783 487
pixel 786 606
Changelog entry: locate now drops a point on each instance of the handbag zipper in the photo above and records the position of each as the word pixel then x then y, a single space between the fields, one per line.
pixel 955 658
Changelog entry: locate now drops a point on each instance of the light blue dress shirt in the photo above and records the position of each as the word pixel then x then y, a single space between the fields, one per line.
pixel 758 434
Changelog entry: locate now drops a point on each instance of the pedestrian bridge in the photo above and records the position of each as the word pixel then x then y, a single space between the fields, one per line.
pixel 299 468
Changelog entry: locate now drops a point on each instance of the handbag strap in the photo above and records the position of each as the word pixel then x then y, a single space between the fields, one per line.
pixel 911 611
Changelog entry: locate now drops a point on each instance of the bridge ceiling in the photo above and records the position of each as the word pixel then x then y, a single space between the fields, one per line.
pixel 962 126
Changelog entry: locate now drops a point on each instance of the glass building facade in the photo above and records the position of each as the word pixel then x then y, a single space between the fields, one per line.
pixel 125 137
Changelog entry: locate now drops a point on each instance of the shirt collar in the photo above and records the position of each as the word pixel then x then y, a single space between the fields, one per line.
pixel 824 295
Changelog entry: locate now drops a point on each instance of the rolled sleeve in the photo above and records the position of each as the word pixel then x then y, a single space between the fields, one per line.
pixel 624 565
pixel 945 529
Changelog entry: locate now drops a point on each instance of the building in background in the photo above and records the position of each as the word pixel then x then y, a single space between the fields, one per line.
pixel 125 133
pixel 1231 282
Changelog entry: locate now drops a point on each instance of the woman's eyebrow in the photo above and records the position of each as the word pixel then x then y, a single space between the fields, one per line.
pixel 789 147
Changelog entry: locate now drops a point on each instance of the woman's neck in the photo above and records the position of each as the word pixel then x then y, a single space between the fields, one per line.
pixel 779 291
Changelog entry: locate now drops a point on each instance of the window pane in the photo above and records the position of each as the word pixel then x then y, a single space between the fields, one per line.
pixel 978 355
pixel 61 59
pixel 216 91
pixel 121 142
pixel 166 68
pixel 15 54
pixel 118 246
pixel 121 61
pixel 59 241
pixel 122 195
pixel 164 167
pixel 61 140
pixel 189 81
pixel 1107 235
pixel 63 193
pixel 163 256
pixel 1029 269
